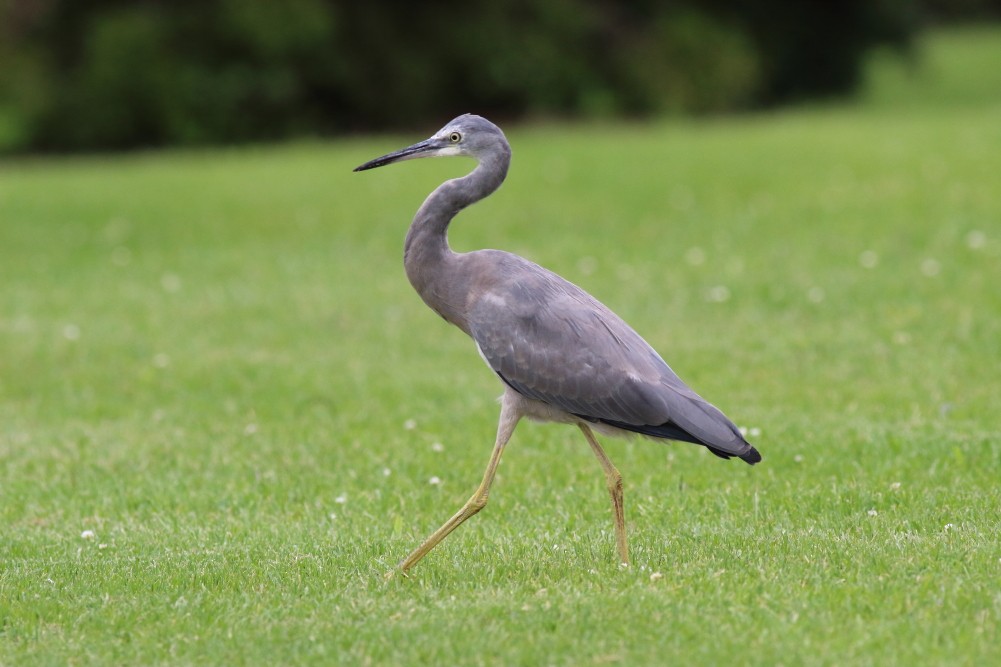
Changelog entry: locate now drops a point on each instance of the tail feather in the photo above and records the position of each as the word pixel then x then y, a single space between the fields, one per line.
pixel 672 431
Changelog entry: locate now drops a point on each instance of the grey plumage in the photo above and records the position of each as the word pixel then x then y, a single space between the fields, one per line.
pixel 563 355
pixel 551 341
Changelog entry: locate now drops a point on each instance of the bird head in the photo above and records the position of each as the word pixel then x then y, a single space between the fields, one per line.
pixel 468 135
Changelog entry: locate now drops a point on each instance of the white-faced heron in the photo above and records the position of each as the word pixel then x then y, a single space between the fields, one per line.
pixel 562 355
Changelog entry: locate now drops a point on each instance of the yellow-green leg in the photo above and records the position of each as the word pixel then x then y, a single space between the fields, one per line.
pixel 508 420
pixel 613 479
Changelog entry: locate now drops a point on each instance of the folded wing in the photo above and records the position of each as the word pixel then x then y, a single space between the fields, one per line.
pixel 553 342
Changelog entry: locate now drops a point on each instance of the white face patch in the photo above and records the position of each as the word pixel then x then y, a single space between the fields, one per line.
pixel 448 151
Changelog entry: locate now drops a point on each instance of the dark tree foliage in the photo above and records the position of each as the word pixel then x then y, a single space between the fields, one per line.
pixel 112 74
pixel 961 10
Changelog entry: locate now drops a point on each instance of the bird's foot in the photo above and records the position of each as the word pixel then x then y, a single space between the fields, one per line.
pixel 394 573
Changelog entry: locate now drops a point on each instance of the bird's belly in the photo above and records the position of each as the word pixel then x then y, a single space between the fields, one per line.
pixel 544 412
pixel 540 411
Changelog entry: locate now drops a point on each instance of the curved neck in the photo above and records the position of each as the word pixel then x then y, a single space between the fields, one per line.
pixel 428 260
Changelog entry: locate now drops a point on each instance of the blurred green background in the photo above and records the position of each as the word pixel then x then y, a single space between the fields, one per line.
pixel 105 74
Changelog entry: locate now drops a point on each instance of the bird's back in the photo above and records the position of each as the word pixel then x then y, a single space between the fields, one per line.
pixel 553 342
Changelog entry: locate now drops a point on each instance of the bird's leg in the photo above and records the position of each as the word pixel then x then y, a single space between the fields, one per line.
pixel 508 420
pixel 613 479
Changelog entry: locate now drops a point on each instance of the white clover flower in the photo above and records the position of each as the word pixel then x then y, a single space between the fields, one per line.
pixel 976 239
pixel 170 282
pixel 695 256
pixel 868 259
pixel 718 294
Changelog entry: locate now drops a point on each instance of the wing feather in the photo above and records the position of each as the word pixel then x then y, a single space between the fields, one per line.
pixel 553 342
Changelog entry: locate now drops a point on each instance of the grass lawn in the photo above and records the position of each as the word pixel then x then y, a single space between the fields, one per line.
pixel 224 414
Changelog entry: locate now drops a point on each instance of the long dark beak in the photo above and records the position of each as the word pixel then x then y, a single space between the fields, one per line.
pixel 425 148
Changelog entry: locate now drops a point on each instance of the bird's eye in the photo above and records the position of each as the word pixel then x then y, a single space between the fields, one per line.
pixel 455 137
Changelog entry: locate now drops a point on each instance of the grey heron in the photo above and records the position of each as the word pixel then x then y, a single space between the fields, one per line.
pixel 561 355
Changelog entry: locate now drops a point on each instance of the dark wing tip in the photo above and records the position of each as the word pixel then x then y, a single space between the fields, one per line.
pixel 751 457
